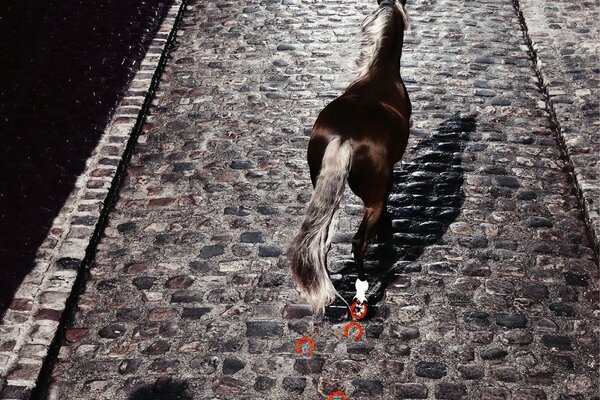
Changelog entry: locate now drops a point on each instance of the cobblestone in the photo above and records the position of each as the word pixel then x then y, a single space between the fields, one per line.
pixel 489 289
pixel 565 38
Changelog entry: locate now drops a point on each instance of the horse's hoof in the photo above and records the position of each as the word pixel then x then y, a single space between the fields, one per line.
pixel 358 310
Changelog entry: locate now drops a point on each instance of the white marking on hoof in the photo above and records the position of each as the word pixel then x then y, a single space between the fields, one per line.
pixel 361 290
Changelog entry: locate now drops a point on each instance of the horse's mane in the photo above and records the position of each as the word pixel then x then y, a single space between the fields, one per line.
pixel 373 31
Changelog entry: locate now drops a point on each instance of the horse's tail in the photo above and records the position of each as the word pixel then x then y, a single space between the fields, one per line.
pixel 307 251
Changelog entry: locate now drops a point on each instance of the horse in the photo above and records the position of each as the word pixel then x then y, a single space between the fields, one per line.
pixel 357 138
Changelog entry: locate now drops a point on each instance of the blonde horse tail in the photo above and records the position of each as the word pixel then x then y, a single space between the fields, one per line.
pixel 307 251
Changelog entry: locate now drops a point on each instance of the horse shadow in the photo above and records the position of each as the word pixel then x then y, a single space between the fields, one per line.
pixel 426 198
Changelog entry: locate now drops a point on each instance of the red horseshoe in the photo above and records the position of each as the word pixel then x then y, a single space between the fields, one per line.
pixel 337 393
pixel 358 316
pixel 311 343
pixel 358 326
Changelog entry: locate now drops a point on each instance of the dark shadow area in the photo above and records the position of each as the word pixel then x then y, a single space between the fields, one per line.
pixel 65 65
pixel 426 198
pixel 163 389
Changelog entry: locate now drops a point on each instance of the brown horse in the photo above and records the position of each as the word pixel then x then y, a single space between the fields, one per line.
pixel 357 138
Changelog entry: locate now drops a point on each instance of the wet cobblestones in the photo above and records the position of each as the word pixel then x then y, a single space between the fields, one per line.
pixel 494 292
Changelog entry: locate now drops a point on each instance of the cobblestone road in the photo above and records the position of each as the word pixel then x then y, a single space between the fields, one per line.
pixel 190 294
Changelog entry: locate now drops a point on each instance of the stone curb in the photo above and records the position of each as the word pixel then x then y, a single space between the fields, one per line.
pixel 578 153
pixel 33 318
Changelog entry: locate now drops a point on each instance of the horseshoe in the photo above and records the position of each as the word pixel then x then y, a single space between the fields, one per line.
pixel 358 316
pixel 311 343
pixel 358 326
pixel 336 394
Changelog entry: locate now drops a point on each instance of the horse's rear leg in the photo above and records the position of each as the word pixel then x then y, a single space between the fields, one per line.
pixel 384 228
pixel 359 246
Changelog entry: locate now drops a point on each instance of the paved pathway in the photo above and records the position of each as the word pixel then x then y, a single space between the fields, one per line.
pixel 190 295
